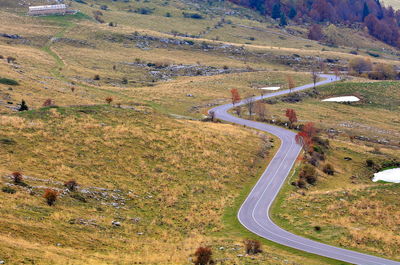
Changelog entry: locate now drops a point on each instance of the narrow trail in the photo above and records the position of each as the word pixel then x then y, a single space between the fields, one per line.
pixel 254 214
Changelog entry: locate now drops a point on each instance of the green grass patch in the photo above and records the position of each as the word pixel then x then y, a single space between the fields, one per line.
pixel 66 19
pixel 385 94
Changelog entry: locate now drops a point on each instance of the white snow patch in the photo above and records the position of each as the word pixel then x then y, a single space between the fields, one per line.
pixel 270 88
pixel 342 99
pixel 389 175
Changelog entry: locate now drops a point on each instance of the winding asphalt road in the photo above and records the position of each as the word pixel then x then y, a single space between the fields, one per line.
pixel 254 212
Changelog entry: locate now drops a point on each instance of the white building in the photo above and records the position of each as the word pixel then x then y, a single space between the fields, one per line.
pixel 48 10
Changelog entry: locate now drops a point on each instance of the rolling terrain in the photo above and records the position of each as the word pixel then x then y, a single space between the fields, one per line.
pixel 126 118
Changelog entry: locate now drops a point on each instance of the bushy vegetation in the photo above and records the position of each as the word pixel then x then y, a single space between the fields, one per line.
pixel 328 169
pixel 192 15
pixel 7 81
pixel 252 246
pixel 8 190
pixel 50 196
pixel 203 256
pixel 17 177
pixel 363 67
pixel 382 22
pixel 71 185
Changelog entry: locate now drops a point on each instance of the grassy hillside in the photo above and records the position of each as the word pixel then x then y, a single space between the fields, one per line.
pixel 171 182
pixel 167 182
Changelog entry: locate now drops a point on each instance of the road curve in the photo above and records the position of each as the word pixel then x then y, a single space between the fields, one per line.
pixel 254 212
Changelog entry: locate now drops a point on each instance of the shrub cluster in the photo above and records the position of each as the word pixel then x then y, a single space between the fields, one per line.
pixel 203 256
pixel 71 185
pixel 8 190
pixel 7 81
pixel 50 196
pixel 252 246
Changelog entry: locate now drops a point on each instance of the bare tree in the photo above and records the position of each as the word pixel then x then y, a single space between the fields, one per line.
pixel 238 110
pixel 290 82
pixel 360 65
pixel 250 103
pixel 314 75
pixel 211 115
pixel 336 72
pixel 260 110
pixel 262 92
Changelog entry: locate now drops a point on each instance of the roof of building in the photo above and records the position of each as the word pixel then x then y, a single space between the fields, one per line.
pixel 48 7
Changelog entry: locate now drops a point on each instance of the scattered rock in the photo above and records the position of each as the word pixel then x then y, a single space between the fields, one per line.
pixel 82 221
pixel 74 42
pixel 135 220
pixel 10 36
pixel 116 223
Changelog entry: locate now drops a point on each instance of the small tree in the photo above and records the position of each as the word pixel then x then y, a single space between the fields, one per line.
pixel 276 11
pixel 23 106
pixel 314 75
pixel 336 72
pixel 238 111
pixel 283 20
pixel 383 72
pixel 96 77
pixel 211 115
pixel 203 256
pixel 292 13
pixel 260 110
pixel 235 96
pixel 71 185
pixel 291 115
pixel 310 130
pixel 359 65
pixel 290 82
pixel 315 32
pixel 50 196
pixel 252 246
pixel 250 103
pixel 109 100
pixel 303 140
pixel 17 177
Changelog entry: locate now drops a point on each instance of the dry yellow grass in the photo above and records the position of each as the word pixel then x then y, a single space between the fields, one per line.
pixel 177 176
